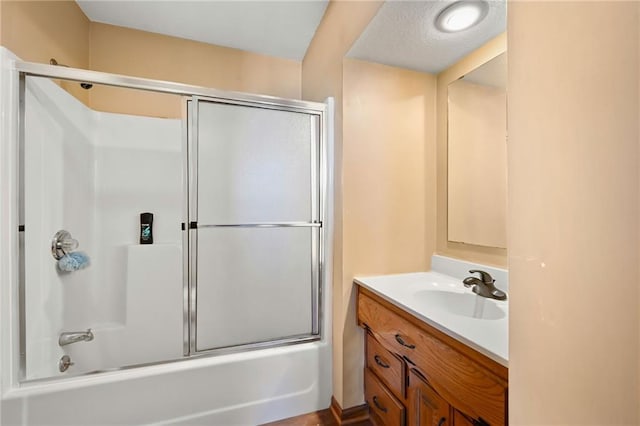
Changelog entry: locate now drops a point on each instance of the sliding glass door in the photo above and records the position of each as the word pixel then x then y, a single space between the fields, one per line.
pixel 254 225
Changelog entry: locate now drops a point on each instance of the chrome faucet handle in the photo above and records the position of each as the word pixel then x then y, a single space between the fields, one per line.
pixel 498 294
pixel 64 363
pixel 485 276
pixel 471 281
pixel 484 287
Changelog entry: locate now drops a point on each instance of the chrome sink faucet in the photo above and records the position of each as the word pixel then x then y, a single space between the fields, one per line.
pixel 484 286
pixel 75 336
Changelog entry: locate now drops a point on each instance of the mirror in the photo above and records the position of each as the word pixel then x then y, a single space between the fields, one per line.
pixel 477 155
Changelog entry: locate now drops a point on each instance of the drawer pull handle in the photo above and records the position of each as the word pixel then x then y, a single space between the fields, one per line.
pixel 400 340
pixel 377 404
pixel 442 421
pixel 380 362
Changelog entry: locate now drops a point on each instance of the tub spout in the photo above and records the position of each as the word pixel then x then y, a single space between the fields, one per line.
pixel 68 338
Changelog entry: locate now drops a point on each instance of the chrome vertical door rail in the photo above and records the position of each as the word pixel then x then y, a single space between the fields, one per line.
pixel 22 305
pixel 192 224
pixel 323 191
pixel 315 218
pixel 186 129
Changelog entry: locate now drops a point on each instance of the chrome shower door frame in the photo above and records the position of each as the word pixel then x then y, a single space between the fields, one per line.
pixel 191 93
pixel 318 188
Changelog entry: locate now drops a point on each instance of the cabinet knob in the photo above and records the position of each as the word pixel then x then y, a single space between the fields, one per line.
pixel 442 421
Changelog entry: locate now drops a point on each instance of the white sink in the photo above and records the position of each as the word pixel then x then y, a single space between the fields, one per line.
pixel 461 304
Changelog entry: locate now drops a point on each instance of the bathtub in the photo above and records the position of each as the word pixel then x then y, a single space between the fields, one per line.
pixel 248 388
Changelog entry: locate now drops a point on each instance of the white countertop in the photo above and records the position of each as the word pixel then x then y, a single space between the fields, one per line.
pixel 445 303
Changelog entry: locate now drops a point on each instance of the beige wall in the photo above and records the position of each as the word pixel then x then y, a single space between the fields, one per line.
pixel 477 164
pixel 37 31
pixel 388 185
pixel 138 53
pixel 573 213
pixel 474 253
pixel 341 25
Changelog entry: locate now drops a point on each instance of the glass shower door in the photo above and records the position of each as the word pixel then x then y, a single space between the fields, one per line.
pixel 255 224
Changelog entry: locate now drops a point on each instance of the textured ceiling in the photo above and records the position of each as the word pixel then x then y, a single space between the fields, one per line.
pixel 403 34
pixel 276 28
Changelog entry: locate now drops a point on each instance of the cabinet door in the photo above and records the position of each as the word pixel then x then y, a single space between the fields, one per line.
pixel 426 407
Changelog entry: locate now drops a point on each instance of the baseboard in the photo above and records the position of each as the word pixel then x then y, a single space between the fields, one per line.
pixel 350 416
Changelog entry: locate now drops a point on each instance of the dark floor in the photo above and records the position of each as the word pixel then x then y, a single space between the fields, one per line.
pixel 319 418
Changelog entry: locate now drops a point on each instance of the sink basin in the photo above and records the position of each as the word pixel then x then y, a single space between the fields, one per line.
pixel 461 304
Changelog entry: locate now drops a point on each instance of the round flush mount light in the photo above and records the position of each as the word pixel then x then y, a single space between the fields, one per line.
pixel 461 15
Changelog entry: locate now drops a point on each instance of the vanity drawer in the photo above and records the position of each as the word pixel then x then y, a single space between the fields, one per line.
pixel 387 366
pixel 459 379
pixel 383 406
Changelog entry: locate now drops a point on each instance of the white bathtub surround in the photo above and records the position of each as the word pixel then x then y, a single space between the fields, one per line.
pixel 8 219
pixel 460 269
pixel 59 182
pixel 150 328
pixel 445 303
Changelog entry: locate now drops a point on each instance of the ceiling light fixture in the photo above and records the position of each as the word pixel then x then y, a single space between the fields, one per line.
pixel 461 15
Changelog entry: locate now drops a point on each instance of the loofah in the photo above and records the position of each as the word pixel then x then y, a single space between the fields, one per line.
pixel 73 261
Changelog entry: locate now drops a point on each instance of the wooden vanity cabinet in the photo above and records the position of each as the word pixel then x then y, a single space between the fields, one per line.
pixel 435 379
